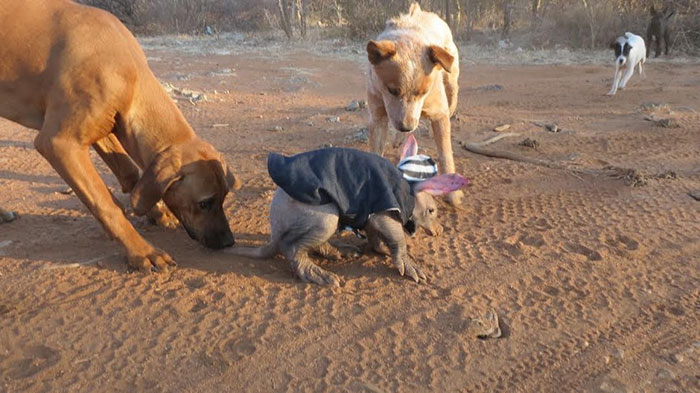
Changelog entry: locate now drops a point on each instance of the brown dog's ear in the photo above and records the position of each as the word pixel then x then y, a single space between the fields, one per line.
pixel 156 179
pixel 232 182
pixel 440 56
pixel 378 51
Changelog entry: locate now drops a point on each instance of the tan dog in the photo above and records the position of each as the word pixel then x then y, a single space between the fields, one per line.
pixel 413 73
pixel 77 75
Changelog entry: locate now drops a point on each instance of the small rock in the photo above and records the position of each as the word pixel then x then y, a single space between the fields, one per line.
pixel 502 127
pixel 276 129
pixel 326 145
pixel 531 143
pixel 663 122
pixel 260 116
pixel 67 191
pixel 618 353
pixel 486 326
pixel 488 88
pixel 334 119
pixel 356 105
pixel 677 357
pixel 664 373
pixel 219 125
pixel 611 385
pixel 653 106
pixel 361 136
pixel 667 175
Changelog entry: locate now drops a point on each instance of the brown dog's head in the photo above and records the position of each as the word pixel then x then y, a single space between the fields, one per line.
pixel 407 71
pixel 193 180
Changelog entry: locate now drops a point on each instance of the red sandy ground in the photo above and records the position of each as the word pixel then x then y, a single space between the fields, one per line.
pixel 596 282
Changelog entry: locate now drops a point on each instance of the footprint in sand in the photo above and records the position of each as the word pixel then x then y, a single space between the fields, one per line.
pixel 592 255
pixel 29 362
pixel 622 242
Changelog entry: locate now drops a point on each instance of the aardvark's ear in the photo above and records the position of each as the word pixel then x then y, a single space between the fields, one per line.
pixel 156 179
pixel 410 147
pixel 378 51
pixel 442 184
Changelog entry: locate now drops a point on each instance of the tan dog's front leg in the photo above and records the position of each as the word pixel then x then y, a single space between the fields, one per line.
pixel 71 160
pixel 7 216
pixel 443 140
pixel 378 126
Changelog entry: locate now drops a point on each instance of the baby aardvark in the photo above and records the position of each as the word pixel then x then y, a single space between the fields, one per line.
pixel 323 190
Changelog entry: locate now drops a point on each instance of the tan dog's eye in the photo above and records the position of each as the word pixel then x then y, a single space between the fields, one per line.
pixel 394 91
pixel 431 210
pixel 420 93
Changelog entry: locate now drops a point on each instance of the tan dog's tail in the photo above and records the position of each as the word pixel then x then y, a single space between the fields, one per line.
pixel 267 251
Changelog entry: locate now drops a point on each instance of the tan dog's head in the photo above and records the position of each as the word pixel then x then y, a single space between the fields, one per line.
pixel 193 180
pixel 406 71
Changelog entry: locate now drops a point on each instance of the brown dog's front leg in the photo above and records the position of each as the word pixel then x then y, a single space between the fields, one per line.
pixel 118 161
pixel 127 173
pixel 443 140
pixel 391 232
pixel 72 162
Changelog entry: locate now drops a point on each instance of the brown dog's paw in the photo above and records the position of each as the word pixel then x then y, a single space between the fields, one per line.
pixel 161 216
pixel 155 260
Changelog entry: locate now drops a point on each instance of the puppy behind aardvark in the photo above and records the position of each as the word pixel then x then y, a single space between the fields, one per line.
pixel 413 73
pixel 323 190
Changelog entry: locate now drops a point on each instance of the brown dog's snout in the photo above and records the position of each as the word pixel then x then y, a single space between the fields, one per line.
pixel 220 240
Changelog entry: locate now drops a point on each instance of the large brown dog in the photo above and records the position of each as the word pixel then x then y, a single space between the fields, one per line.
pixel 413 73
pixel 77 75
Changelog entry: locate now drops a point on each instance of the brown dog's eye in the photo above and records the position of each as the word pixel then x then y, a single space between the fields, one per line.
pixel 206 204
pixel 394 91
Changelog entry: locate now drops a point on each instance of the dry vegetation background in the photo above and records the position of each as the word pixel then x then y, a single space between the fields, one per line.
pixel 524 23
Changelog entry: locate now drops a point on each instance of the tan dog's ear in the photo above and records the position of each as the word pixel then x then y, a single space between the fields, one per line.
pixel 415 7
pixel 156 179
pixel 232 182
pixel 378 51
pixel 440 56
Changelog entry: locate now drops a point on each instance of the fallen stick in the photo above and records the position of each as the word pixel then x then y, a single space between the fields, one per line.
pixel 79 264
pixel 632 177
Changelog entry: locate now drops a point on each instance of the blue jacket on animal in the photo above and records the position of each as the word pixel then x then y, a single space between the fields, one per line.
pixel 357 182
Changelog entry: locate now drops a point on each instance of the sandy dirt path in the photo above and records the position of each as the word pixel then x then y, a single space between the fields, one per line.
pixel 597 283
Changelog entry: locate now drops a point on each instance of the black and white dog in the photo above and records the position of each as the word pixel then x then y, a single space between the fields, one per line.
pixel 660 28
pixel 630 51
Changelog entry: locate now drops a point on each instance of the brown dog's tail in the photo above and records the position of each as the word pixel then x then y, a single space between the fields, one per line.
pixel 267 251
